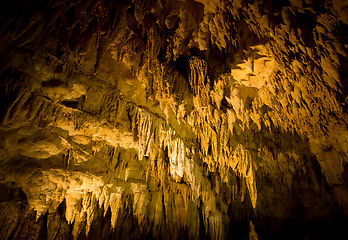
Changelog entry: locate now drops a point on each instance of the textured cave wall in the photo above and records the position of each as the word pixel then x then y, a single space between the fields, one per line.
pixel 173 119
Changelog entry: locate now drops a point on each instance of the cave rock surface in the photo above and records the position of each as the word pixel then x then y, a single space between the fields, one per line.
pixel 174 119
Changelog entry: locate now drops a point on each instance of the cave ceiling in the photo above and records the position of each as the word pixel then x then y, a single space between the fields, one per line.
pixel 174 119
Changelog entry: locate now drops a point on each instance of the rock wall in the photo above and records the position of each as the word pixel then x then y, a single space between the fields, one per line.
pixel 174 119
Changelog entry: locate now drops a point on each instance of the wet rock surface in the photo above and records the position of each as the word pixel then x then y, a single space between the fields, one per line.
pixel 173 119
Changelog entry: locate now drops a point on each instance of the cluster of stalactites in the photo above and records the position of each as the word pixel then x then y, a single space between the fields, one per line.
pixel 170 143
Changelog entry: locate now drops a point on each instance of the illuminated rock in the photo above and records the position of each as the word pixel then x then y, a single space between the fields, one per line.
pixel 173 119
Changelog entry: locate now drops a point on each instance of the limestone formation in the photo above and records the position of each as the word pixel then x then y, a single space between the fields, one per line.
pixel 174 119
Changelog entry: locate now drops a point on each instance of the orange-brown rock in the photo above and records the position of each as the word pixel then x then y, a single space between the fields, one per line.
pixel 189 119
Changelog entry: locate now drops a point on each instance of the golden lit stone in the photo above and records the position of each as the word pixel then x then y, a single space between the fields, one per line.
pixel 173 119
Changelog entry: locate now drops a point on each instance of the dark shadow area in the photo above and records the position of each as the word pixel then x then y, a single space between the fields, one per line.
pixel 239 212
pixel 306 23
pixel 9 191
pixel 181 64
pixel 11 86
pixel 8 11
pixel 302 208
pixel 71 104
pixel 53 83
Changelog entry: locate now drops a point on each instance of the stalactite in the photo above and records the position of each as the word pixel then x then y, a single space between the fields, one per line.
pixel 173 119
